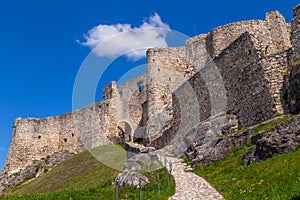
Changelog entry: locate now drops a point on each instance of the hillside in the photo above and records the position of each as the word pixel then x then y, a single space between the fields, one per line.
pixel 83 177
pixel 274 169
pixel 275 178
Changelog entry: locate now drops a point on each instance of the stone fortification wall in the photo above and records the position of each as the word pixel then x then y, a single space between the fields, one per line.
pixel 295 33
pixel 292 78
pixel 28 145
pixel 94 123
pixel 34 139
pixel 234 84
pixel 272 35
pixel 130 111
pixel 259 68
pixel 196 53
pixel 276 67
pixel 232 91
pixel 88 127
pixel 247 89
pixel 167 69
pixel 291 90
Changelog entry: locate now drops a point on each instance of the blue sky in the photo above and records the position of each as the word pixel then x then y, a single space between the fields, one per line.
pixel 41 45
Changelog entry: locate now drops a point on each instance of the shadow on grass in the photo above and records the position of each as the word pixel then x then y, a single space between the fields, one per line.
pixel 296 197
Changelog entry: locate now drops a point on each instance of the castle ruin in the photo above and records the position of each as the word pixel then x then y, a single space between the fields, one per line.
pixel 253 66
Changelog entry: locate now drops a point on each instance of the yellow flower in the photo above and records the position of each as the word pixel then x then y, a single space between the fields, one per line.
pixel 260 182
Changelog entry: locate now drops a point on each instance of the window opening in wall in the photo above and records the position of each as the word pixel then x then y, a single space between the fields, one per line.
pixel 266 50
pixel 141 87
pixel 72 134
pixel 121 94
pixel 39 137
pixel 250 52
pixel 65 140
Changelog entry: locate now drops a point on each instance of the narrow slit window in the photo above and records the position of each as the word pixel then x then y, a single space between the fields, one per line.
pixel 141 87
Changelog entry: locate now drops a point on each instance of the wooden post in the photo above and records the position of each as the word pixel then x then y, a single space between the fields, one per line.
pixel 158 184
pixel 141 192
pixel 117 191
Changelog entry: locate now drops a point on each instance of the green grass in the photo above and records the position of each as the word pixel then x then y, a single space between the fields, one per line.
pixel 271 125
pixel 265 126
pixel 275 178
pixel 296 62
pixel 84 177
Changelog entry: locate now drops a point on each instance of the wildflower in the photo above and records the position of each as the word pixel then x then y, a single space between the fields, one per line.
pixel 260 182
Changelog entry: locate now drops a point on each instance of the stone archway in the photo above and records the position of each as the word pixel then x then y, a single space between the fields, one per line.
pixel 125 131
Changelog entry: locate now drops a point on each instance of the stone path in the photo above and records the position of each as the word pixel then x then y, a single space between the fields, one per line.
pixel 190 186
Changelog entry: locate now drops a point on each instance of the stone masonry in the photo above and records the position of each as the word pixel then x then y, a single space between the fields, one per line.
pixel 236 75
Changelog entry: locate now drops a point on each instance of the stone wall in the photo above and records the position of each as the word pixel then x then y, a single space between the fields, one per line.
pixel 292 78
pixel 232 90
pixel 196 53
pixel 248 94
pixel 295 33
pixel 272 34
pixel 88 127
pixel 237 75
pixel 94 123
pixel 276 67
pixel 34 139
pixel 132 96
pixel 291 89
pixel 167 69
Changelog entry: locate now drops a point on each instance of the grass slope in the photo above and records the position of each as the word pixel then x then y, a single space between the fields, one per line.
pixel 275 178
pixel 83 177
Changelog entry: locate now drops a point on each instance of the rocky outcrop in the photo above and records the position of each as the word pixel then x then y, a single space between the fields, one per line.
pixel 36 169
pixel 131 178
pixel 202 153
pixel 141 160
pixel 284 139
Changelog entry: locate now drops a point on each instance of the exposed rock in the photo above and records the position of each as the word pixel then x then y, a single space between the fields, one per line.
pixel 135 166
pixel 216 149
pixel 237 70
pixel 37 168
pixel 131 178
pixel 203 153
pixel 284 139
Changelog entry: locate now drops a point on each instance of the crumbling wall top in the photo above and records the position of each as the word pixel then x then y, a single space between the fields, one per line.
pixel 272 34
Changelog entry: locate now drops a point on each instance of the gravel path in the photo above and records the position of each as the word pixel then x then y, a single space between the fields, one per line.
pixel 189 185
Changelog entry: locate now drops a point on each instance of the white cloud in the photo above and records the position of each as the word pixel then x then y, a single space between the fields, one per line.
pixel 119 39
pixel 2 149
